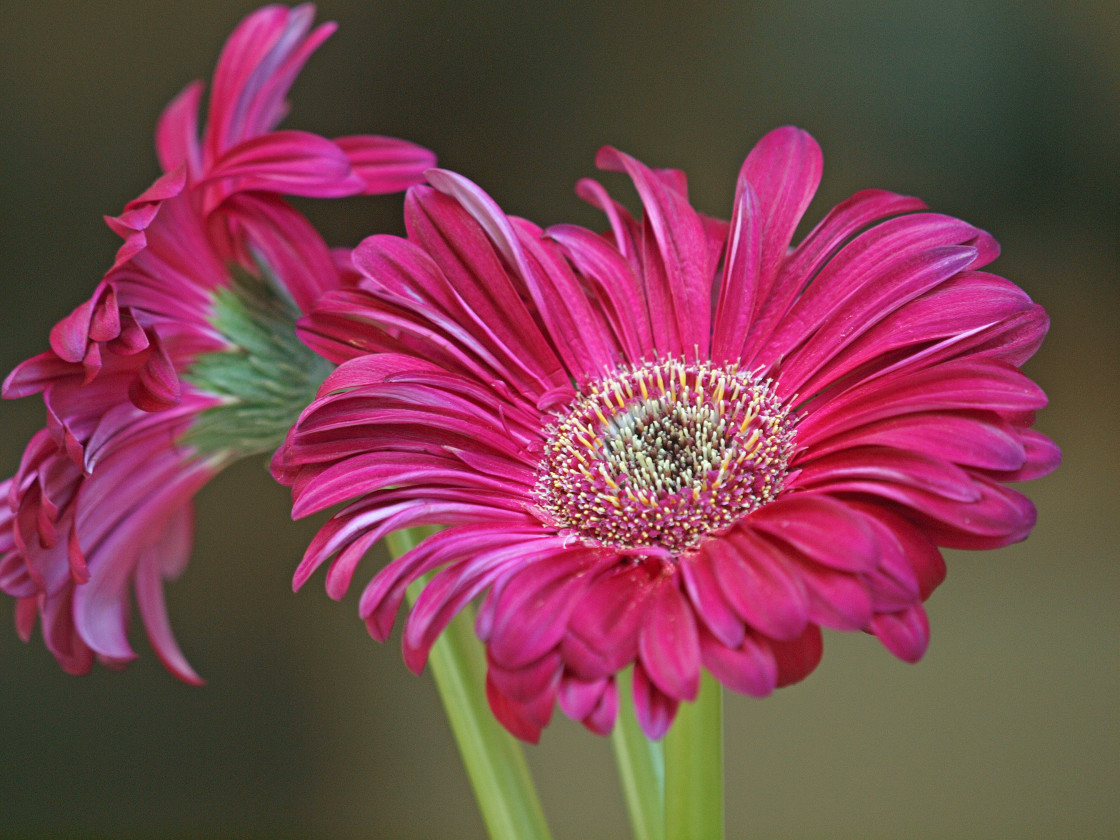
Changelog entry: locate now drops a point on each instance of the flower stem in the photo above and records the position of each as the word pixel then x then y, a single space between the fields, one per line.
pixel 694 767
pixel 641 768
pixel 495 763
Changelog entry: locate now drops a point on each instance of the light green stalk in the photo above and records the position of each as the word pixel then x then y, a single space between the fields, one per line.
pixel 495 763
pixel 694 767
pixel 641 768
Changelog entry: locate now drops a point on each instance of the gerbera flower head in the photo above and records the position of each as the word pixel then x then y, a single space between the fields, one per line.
pixel 185 357
pixel 684 444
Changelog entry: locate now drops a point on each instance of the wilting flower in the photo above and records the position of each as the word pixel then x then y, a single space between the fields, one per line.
pixel 185 357
pixel 682 445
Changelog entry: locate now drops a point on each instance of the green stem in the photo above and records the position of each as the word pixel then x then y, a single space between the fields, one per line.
pixel 694 767
pixel 641 768
pixel 495 763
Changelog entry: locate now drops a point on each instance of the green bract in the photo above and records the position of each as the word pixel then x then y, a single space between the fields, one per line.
pixel 265 378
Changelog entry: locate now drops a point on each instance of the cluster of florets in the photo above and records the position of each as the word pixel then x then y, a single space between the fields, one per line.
pixel 664 454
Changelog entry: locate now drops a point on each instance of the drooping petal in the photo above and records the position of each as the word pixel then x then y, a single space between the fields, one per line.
pixel 385 164
pixel 749 668
pixel 653 708
pixel 669 644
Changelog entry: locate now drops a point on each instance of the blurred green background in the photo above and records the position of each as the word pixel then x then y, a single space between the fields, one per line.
pixel 1004 114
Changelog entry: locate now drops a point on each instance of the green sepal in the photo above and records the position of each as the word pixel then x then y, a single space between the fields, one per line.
pixel 266 377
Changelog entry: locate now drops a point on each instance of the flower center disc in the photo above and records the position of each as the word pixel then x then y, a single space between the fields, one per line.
pixel 664 455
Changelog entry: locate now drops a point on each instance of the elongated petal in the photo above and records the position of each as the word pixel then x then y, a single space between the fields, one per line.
pixel 784 169
pixel 385 164
pixel 678 285
pixel 749 668
pixel 669 645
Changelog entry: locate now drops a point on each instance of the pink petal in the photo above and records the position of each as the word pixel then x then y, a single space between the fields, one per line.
pixel 513 716
pixel 759 585
pixel 837 600
pixel 1042 457
pixel 70 336
pixel 607 622
pixel 678 276
pixel 579 698
pixel 964 384
pixel 982 442
pixel 529 682
pixel 784 168
pixel 166 557
pixel 823 529
pixel 708 602
pixel 749 668
pixel 157 387
pixel 531 614
pixel 458 245
pixel 739 289
pixel 600 720
pixel 841 223
pixel 385 164
pixel 799 657
pixel 905 634
pixel 889 466
pixel 669 645
pixel 177 131
pixel 655 711
pixel 287 162
pixel 613 284
pixel 556 294
pixel 890 286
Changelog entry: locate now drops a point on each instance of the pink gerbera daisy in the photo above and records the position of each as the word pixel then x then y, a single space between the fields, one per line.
pixel 682 445
pixel 185 357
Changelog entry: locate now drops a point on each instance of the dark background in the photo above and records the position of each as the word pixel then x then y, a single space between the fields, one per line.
pixel 1003 114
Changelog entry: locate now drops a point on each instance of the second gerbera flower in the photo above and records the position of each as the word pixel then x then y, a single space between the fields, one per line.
pixel 682 445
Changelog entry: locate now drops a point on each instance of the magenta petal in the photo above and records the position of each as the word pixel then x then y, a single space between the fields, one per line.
pixel 669 645
pixel 654 710
pixel 959 385
pixel 759 585
pixel 984 442
pixel 513 716
pixel 70 336
pixel 784 168
pixel 386 164
pixel 708 603
pixel 531 614
pixel 889 466
pixel 905 634
pixel 601 719
pixel 270 227
pixel 526 683
pixel 739 289
pixel 608 619
pixel 288 162
pixel 798 657
pixel 442 599
pixel 578 698
pixel 555 291
pixel 157 387
pixel 678 282
pixel 841 223
pixel 749 668
pixel 27 614
pixel 615 285
pixel 149 594
pixel 1042 457
pixel 837 600
pixel 823 529
pixel 177 131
